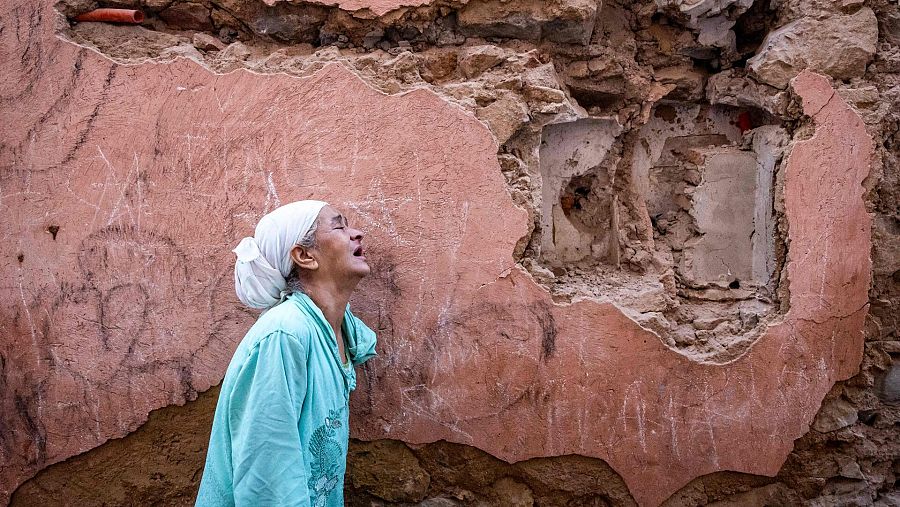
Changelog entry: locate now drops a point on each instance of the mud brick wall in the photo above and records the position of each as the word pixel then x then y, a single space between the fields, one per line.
pixel 623 252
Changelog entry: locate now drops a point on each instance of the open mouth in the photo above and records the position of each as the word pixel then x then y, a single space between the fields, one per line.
pixel 359 252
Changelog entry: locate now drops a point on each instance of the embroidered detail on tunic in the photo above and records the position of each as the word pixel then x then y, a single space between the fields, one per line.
pixel 325 471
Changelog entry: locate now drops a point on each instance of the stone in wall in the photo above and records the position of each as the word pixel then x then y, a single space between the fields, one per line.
pixel 188 16
pixel 705 7
pixel 556 20
pixel 734 88
pixel 277 20
pixel 840 46
pixel 504 116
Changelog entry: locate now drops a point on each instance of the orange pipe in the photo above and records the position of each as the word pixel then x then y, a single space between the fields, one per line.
pixel 112 16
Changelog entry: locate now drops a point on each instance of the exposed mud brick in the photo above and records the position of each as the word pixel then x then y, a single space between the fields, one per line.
pixel 388 470
pixel 187 16
pixel 834 415
pixel 504 117
pixel 477 59
pixel 840 46
pixel 733 88
pixel 554 20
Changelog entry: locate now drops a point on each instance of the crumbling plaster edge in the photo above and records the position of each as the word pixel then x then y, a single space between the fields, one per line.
pixel 319 65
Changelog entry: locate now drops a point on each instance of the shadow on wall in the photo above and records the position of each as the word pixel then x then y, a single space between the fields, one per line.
pixel 159 464
pixel 162 462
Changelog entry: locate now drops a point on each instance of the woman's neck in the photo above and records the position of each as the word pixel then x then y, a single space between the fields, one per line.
pixel 331 300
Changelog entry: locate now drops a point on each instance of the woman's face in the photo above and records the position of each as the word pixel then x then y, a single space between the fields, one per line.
pixel 338 250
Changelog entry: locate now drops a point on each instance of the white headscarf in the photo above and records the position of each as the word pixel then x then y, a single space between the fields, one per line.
pixel 264 261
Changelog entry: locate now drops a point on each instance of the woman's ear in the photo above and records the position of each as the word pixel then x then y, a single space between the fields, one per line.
pixel 302 258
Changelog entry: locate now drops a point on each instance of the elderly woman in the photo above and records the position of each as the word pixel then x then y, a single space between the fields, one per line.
pixel 280 432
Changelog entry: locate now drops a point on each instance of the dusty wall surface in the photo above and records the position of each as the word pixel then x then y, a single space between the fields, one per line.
pixel 556 197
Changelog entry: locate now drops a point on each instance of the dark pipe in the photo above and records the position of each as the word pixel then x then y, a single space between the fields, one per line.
pixel 112 16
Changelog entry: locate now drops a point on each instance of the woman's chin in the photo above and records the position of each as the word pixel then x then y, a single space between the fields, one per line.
pixel 361 267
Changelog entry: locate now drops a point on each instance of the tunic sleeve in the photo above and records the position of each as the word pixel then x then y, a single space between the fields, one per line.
pixel 264 420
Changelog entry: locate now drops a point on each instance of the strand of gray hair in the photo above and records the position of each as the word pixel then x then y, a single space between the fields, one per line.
pixel 294 284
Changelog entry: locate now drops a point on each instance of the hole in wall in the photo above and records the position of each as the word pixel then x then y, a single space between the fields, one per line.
pixel 588 202
pixel 674 223
pixel 752 26
pixel 598 101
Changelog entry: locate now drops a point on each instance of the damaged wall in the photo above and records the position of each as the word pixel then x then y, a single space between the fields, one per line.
pixel 665 205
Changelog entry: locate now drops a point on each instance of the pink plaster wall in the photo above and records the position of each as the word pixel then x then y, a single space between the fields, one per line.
pixel 152 173
pixel 376 7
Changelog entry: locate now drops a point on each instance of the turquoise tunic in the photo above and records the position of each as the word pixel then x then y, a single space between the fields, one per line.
pixel 279 436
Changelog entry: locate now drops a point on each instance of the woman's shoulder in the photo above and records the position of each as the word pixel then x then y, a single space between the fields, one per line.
pixel 285 319
pixel 283 322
